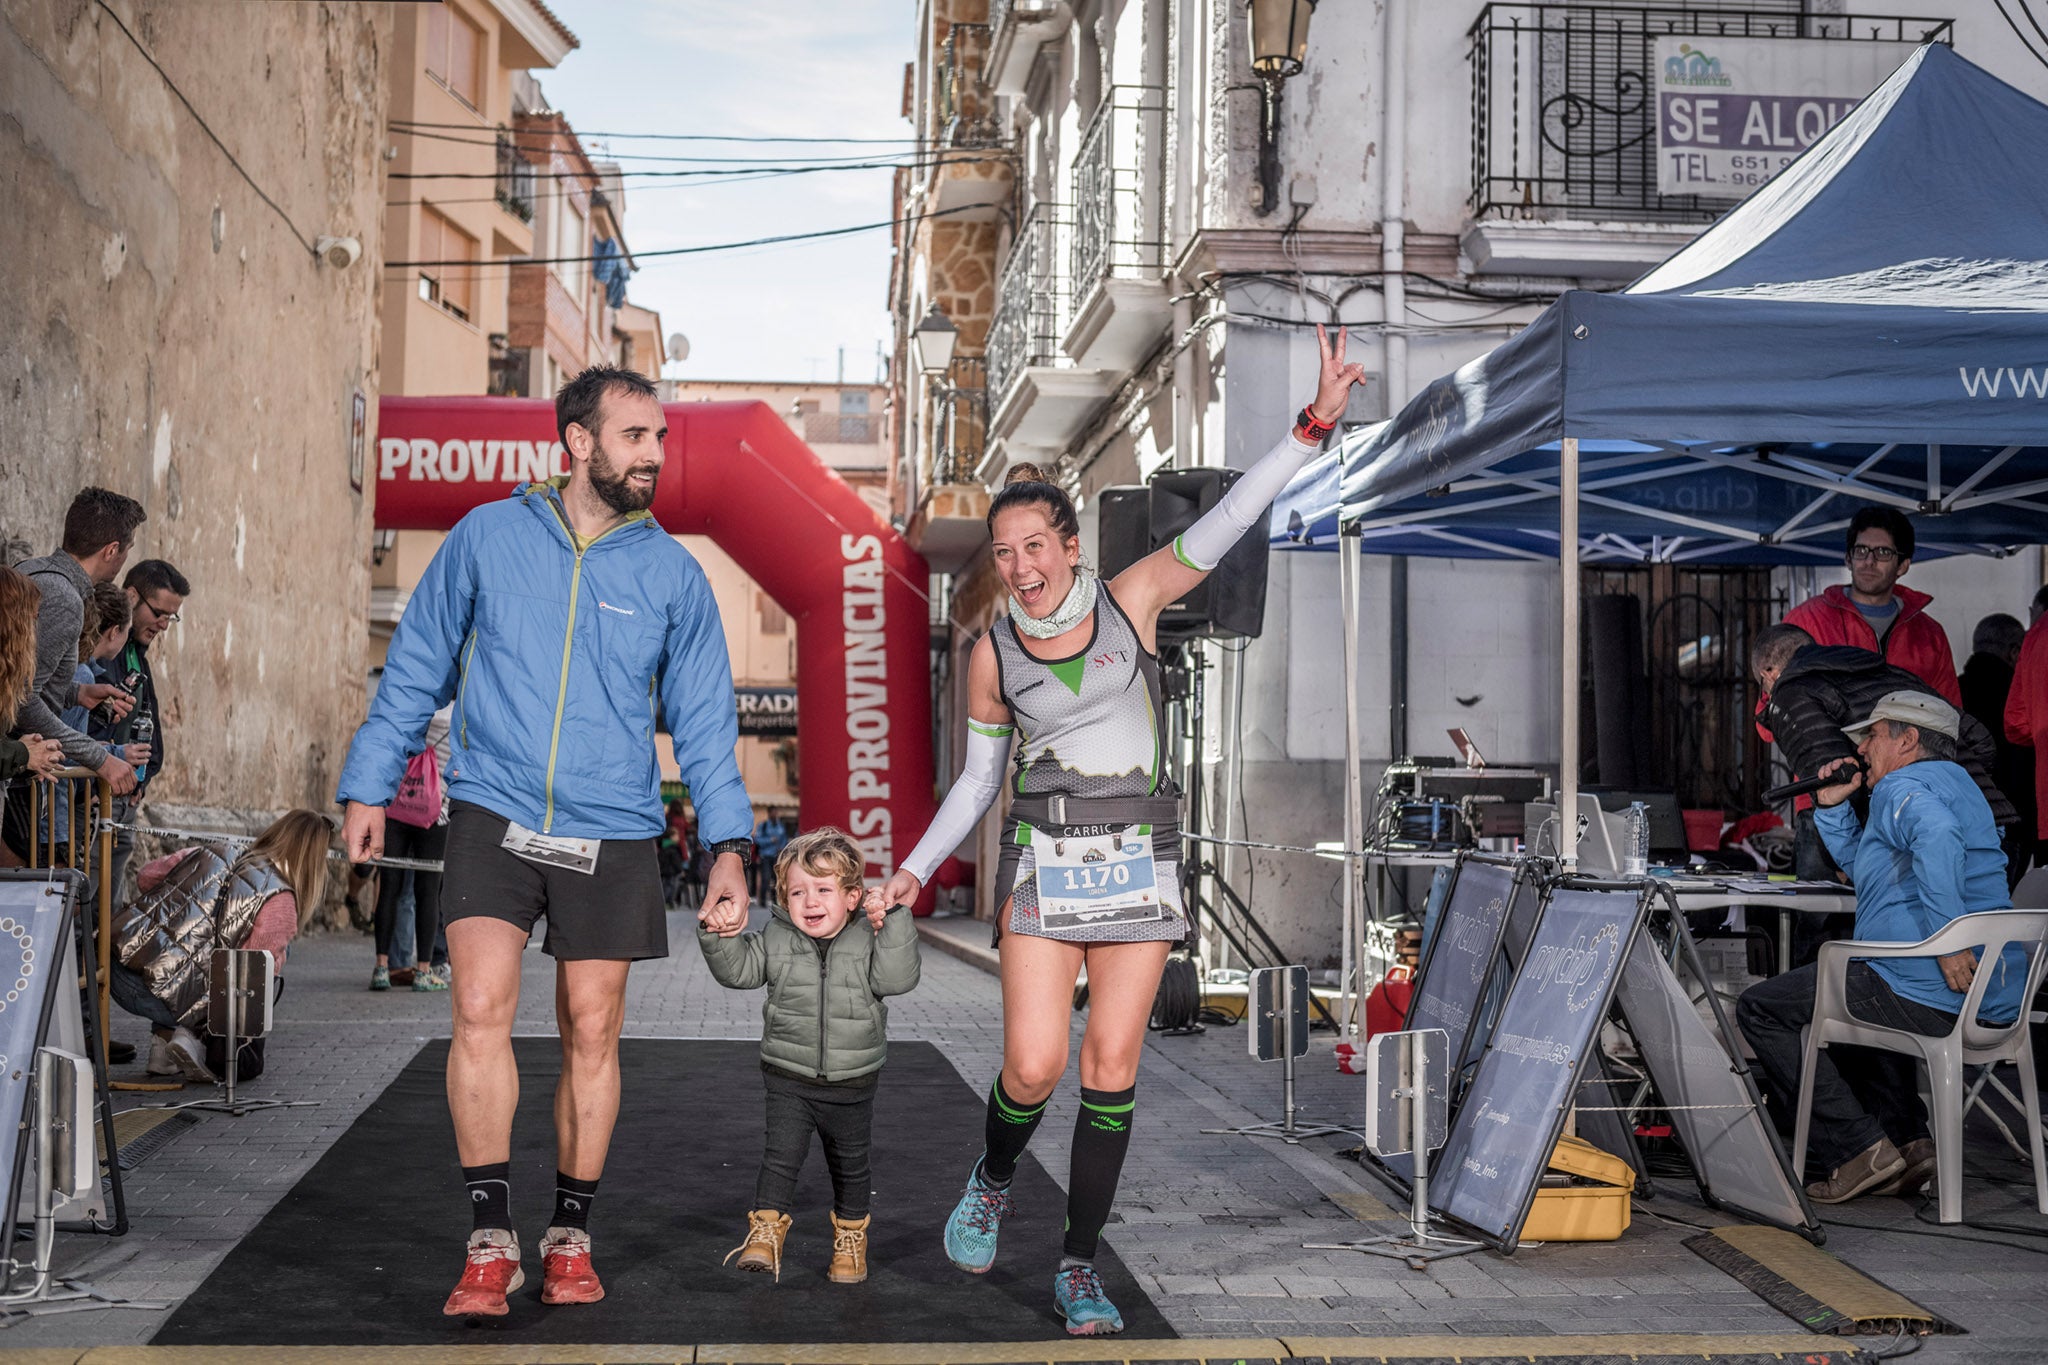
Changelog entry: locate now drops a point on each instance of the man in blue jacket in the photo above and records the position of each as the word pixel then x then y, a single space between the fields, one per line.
pixel 561 623
pixel 1929 853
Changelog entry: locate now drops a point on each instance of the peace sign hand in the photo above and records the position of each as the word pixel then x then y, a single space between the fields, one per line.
pixel 1333 389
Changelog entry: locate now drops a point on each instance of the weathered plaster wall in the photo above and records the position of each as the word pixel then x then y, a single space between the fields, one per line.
pixel 163 333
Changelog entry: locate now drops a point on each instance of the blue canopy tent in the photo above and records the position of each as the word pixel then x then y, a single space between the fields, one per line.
pixel 1869 327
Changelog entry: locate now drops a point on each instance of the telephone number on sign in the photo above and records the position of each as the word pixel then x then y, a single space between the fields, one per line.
pixel 1759 163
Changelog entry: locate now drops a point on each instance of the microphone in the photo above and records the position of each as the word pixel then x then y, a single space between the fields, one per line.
pixel 1807 786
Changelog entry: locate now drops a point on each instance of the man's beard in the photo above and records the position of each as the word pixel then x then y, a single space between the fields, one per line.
pixel 608 481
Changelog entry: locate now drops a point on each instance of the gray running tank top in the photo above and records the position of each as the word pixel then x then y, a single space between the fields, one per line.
pixel 1091 725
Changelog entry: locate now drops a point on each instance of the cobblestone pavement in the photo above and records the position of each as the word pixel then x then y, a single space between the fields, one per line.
pixel 1211 1224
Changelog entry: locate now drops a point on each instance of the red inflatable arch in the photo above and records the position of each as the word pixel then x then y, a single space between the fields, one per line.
pixel 738 474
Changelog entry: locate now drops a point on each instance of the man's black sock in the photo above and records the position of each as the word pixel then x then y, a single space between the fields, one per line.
pixel 572 1201
pixel 1102 1134
pixel 490 1195
pixel 1006 1133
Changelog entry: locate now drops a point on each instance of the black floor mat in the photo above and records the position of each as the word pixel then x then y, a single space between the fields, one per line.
pixel 364 1249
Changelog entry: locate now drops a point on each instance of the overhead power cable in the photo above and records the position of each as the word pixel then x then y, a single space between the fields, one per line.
pixel 699 173
pixel 401 124
pixel 207 128
pixel 546 144
pixel 686 250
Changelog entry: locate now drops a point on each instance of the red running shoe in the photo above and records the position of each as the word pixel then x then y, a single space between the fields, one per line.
pixel 489 1274
pixel 566 1274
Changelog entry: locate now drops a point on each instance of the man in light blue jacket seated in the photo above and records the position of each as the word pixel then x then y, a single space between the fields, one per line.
pixel 1928 853
pixel 560 622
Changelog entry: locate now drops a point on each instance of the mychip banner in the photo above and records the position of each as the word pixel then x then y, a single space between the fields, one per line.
pixel 1733 112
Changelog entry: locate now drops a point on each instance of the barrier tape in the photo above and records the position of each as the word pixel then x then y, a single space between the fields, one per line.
pixel 214 836
pixel 1279 848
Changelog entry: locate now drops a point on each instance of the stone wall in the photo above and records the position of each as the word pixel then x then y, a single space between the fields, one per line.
pixel 165 333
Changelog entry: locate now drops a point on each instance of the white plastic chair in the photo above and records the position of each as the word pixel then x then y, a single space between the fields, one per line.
pixel 1970 1043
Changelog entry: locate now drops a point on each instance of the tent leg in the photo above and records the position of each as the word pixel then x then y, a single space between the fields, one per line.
pixel 1568 654
pixel 1349 570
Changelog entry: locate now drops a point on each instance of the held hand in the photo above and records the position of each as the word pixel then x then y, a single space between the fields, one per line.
pixel 45 756
pixel 362 833
pixel 1851 770
pixel 135 753
pixel 118 702
pixel 118 774
pixel 725 896
pixel 1959 969
pixel 1333 388
pixel 876 907
pixel 901 889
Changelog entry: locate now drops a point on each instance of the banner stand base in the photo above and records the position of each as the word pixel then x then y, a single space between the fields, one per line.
pixel 1417 1248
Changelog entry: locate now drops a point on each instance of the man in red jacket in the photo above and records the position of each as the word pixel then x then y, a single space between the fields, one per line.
pixel 2026 712
pixel 1873 612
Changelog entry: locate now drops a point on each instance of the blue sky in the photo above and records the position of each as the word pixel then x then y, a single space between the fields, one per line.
pixel 773 68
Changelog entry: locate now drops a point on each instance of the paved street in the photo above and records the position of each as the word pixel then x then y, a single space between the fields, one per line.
pixel 1211 1224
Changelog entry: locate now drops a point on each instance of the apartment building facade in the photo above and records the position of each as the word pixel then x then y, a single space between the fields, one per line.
pixel 1177 220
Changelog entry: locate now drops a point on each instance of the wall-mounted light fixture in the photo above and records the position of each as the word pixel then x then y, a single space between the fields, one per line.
pixel 933 342
pixel 1279 45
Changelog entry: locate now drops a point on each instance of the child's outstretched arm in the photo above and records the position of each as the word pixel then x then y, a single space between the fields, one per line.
pixel 741 963
pixel 894 967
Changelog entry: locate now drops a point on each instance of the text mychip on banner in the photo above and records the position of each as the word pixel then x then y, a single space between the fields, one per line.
pixel 1501 1138
pixel 1733 112
pixel 1461 957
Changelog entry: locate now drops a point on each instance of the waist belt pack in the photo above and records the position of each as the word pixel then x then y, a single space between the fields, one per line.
pixel 1060 810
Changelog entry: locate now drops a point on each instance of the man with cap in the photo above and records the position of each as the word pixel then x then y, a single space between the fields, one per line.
pixel 1928 854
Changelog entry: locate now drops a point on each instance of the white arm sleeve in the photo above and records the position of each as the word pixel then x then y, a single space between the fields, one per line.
pixel 1203 545
pixel 988 749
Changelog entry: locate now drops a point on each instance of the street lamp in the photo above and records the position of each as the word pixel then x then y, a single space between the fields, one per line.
pixel 1279 41
pixel 933 342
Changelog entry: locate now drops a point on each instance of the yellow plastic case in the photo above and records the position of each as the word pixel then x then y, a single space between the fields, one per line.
pixel 1596 1212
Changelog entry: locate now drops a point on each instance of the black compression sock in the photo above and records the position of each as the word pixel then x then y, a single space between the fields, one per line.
pixel 1007 1132
pixel 490 1195
pixel 1102 1134
pixel 572 1201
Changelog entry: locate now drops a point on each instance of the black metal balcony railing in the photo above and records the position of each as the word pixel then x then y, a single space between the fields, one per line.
pixel 960 422
pixel 1118 228
pixel 1563 100
pixel 515 181
pixel 966 106
pixel 1031 302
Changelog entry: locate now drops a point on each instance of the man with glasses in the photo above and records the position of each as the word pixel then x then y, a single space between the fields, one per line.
pixel 157 592
pixel 1872 611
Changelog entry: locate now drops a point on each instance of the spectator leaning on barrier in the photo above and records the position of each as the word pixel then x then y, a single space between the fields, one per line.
pixel 104 632
pixel 31 753
pixel 156 594
pixel 1874 612
pixel 2026 712
pixel 1928 854
pixel 99 528
pixel 1987 685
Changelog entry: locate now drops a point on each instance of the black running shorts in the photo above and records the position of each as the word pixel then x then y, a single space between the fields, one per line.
pixel 614 913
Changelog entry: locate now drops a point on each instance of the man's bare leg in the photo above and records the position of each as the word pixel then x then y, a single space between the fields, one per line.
pixel 590 1009
pixel 483 1077
pixel 483 1090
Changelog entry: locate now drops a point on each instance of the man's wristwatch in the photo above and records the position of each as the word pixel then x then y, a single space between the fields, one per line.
pixel 743 847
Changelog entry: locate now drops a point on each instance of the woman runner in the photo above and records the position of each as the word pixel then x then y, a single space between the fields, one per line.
pixel 1090 869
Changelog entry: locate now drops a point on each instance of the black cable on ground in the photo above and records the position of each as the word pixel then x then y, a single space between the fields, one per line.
pixel 1176 1010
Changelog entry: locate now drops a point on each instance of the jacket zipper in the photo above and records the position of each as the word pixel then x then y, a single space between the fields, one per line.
pixel 824 952
pixel 568 647
pixel 462 688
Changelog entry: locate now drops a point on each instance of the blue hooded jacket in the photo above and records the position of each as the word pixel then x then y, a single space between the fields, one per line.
pixel 556 662
pixel 1929 854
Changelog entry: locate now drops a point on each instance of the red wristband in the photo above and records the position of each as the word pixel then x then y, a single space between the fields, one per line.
pixel 1313 431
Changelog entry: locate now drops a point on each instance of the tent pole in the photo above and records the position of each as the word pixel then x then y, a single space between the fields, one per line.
pixel 1349 569
pixel 1568 584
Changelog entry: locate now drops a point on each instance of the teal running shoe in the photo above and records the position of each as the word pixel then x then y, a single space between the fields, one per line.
pixel 1078 1294
pixel 971 1229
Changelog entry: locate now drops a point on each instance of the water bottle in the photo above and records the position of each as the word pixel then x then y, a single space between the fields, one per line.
pixel 1635 856
pixel 143 732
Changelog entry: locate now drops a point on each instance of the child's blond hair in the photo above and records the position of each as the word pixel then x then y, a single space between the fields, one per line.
pixel 828 851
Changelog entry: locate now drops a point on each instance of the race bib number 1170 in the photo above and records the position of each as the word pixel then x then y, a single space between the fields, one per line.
pixel 1105 879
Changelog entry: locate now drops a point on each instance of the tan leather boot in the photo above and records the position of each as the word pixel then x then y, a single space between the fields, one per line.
pixel 849 1251
pixel 762 1250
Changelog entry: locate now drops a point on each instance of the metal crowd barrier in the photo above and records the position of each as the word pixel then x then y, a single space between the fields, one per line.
pixel 86 846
